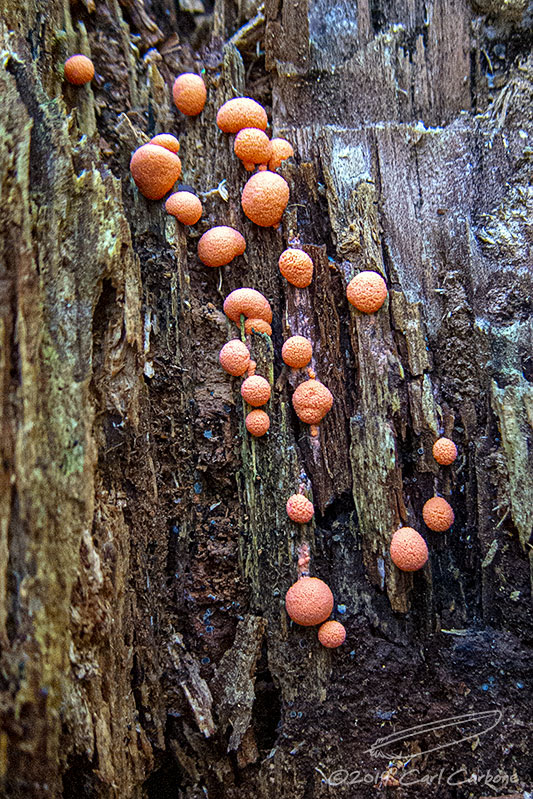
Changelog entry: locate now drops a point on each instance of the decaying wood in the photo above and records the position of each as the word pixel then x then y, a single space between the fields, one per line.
pixel 145 550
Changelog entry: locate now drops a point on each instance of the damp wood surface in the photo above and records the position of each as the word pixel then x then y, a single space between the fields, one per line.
pixel 145 550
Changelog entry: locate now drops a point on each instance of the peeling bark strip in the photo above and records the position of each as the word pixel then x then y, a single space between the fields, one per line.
pixel 145 550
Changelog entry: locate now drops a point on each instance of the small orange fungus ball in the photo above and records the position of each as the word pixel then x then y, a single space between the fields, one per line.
pixel 309 601
pixel 311 401
pixel 297 352
pixel 300 509
pixel 331 634
pixel 367 292
pixel 253 147
pixel 249 303
pixel 255 391
pixel 408 550
pixel 257 423
pixel 79 70
pixel 219 245
pixel 234 357
pixel 185 206
pixel 166 140
pixel 242 112
pixel 281 150
pixel 438 514
pixel 257 326
pixel 297 267
pixel 444 451
pixel 189 94
pixel 264 198
pixel 155 170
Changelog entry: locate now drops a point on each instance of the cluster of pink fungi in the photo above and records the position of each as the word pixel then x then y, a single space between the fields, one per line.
pixel 408 549
pixel 155 168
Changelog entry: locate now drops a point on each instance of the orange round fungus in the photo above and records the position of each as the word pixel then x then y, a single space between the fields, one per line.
pixel 367 292
pixel 242 112
pixel 264 198
pixel 438 514
pixel 311 401
pixel 255 391
pixel 155 170
pixel 281 150
pixel 299 509
pixel 444 451
pixel 309 601
pixel 234 357
pixel 219 245
pixel 166 140
pixel 257 423
pixel 297 352
pixel 79 70
pixel 297 267
pixel 249 303
pixel 255 325
pixel 331 634
pixel 408 550
pixel 185 206
pixel 253 147
pixel 189 94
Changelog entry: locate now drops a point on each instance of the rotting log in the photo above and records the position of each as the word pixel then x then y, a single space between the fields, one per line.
pixel 144 546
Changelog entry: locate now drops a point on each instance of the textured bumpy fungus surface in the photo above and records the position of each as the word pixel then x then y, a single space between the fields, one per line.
pixel 249 303
pixel 367 292
pixel 312 401
pixel 264 198
pixel 154 170
pixel 185 206
pixel 79 70
pixel 257 325
pixel 256 391
pixel 297 351
pixel 438 514
pixel 296 267
pixel 166 140
pixel 220 245
pixel 309 601
pixel 300 509
pixel 189 93
pixel 408 550
pixel 257 423
pixel 234 357
pixel 281 150
pixel 332 634
pixel 239 113
pixel 253 147
pixel 444 451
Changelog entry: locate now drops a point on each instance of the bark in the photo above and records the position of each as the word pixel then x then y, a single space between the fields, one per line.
pixel 144 546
